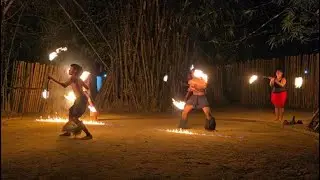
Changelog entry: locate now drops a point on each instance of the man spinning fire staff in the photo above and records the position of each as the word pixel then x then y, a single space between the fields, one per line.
pixel 196 98
pixel 279 93
pixel 80 104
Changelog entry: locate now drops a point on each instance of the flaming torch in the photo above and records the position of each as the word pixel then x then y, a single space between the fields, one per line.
pixel 45 92
pixel 165 78
pixel 298 82
pixel 200 74
pixel 53 55
pixel 178 104
pixel 253 78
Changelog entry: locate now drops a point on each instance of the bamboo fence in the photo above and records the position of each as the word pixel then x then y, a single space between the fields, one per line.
pixel 28 80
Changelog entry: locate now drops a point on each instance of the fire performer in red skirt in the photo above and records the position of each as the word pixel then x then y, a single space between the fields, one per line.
pixel 279 93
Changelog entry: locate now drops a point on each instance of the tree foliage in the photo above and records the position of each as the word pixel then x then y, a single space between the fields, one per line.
pixel 219 27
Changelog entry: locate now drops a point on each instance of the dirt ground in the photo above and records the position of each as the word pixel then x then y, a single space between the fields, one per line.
pixel 246 145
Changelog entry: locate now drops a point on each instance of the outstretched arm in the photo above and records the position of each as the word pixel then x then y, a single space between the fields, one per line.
pixel 65 84
pixel 271 83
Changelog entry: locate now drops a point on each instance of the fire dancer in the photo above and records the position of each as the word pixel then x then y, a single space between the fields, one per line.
pixel 279 93
pixel 197 100
pixel 80 104
pixel 189 93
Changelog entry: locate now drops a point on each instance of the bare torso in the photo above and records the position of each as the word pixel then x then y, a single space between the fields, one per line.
pixel 77 86
pixel 197 86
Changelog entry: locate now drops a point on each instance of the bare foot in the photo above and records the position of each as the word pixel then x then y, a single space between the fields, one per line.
pixel 87 137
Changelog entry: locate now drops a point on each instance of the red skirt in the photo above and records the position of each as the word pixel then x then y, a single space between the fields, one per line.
pixel 279 99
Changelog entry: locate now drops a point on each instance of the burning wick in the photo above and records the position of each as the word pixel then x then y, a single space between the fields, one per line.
pixel 178 104
pixel 165 78
pixel 45 94
pixel 298 82
pixel 253 79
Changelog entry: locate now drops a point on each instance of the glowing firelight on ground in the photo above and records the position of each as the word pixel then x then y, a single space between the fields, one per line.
pixel 64 120
pixel 179 131
pixel 298 82
pixel 178 104
pixel 53 55
pixel 45 94
pixel 253 78
pixel 188 132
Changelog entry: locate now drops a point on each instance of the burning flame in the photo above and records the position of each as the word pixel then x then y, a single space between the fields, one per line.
pixel 184 131
pixel 62 120
pixel 192 67
pixel 84 75
pixel 70 97
pixel 61 49
pixel 298 82
pixel 253 78
pixel 179 131
pixel 165 78
pixel 200 74
pixel 178 104
pixel 92 108
pixel 53 55
pixel 45 94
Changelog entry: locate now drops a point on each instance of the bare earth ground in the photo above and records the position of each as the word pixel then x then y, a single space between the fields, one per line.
pixel 247 145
